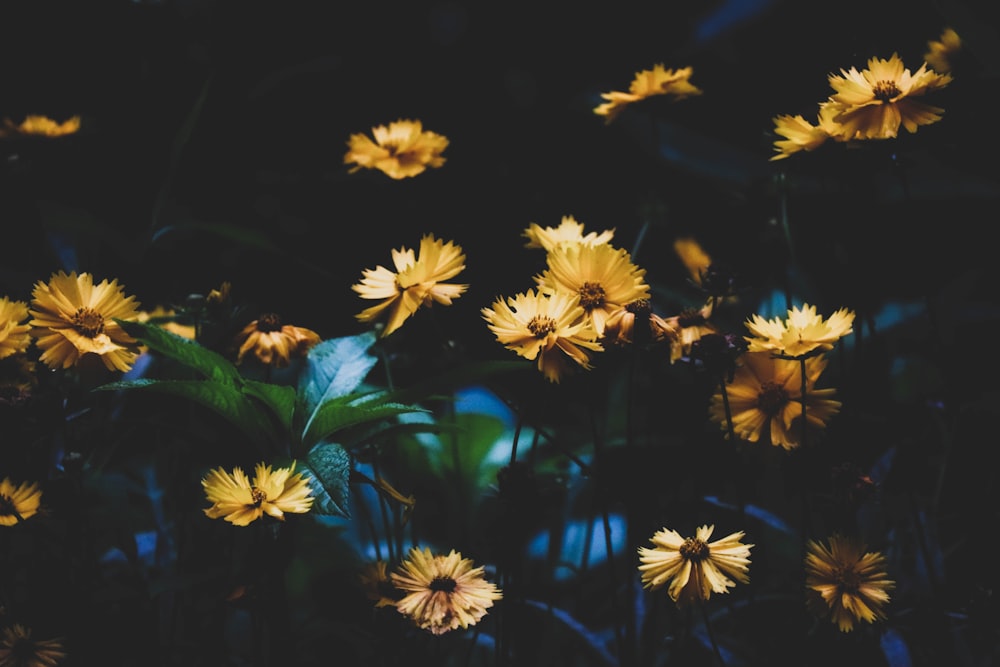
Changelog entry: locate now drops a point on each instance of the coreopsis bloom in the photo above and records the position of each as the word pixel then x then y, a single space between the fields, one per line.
pixel 75 319
pixel 846 583
pixel 568 231
pixel 694 567
pixel 375 581
pixel 401 150
pixel 240 501
pixel 18 502
pixel 274 343
pixel 800 135
pixel 874 102
pixel 42 126
pixel 635 322
pixel 552 329
pixel 603 276
pixel 942 53
pixel 765 396
pixel 689 326
pixel 14 337
pixel 647 83
pixel 443 593
pixel 417 281
pixel 18 649
pixel 803 332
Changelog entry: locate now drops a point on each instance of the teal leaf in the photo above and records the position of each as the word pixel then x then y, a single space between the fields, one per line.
pixel 334 368
pixel 209 363
pixel 280 398
pixel 330 466
pixel 338 414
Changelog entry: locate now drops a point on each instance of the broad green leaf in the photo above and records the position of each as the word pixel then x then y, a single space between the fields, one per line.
pixel 280 398
pixel 334 368
pixel 335 415
pixel 183 350
pixel 330 466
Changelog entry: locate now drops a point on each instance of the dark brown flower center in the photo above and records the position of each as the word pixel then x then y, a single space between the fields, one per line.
pixel 638 307
pixel 694 549
pixel 258 496
pixel 886 91
pixel 443 584
pixel 591 296
pixel 690 317
pixel 772 398
pixel 88 322
pixel 268 322
pixel 541 326
pixel 848 579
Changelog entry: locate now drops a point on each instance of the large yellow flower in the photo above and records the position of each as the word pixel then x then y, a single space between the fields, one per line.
pixel 239 501
pixel 417 282
pixel 14 337
pixel 647 83
pixel 800 135
pixel 802 332
pixel 874 102
pixel 401 150
pixel 603 276
pixel 18 502
pixel 34 125
pixel 942 53
pixel 765 396
pixel 694 567
pixel 443 593
pixel 74 318
pixel 568 231
pixel 18 649
pixel 552 329
pixel 846 583
pixel 274 343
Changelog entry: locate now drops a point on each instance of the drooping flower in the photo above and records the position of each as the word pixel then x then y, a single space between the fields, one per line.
pixel 401 150
pixel 240 501
pixel 944 52
pixel 274 343
pixel 42 126
pixel 689 326
pixel 18 502
pixel 418 281
pixel 873 103
pixel 636 323
pixel 552 329
pixel 568 231
pixel 803 332
pixel 443 593
pixel 14 337
pixel 765 396
pixel 800 135
pixel 378 587
pixel 647 83
pixel 74 318
pixel 603 276
pixel 18 649
pixel 694 567
pixel 846 583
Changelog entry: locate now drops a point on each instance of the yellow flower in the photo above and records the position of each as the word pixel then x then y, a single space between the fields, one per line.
pixel 765 396
pixel 165 319
pixel 74 318
pixel 14 337
pixel 944 51
pixel 443 593
pixel 647 83
pixel 874 102
pixel 417 282
pixel 274 343
pixel 18 649
pixel 378 587
pixel 846 583
pixel 694 567
pixel 552 329
pixel 603 276
pixel 568 231
pixel 803 331
pixel 18 502
pixel 43 126
pixel 800 135
pixel 688 327
pixel 239 501
pixel 400 150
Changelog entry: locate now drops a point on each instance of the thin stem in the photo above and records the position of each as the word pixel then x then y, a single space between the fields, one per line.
pixel 711 635
pixel 787 229
pixel 805 425
pixel 725 406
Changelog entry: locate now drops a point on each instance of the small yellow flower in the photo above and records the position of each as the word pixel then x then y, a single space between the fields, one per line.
pixel 943 52
pixel 418 281
pixel 802 332
pixel 239 501
pixel 74 319
pixel 552 329
pixel 846 583
pixel 688 327
pixel 401 150
pixel 874 102
pixel 647 83
pixel 694 567
pixel 14 336
pixel 800 135
pixel 18 649
pixel 568 231
pixel 18 502
pixel 43 126
pixel 443 593
pixel 274 343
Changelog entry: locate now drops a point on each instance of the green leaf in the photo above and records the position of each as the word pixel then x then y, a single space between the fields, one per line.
pixel 336 415
pixel 280 398
pixel 334 368
pixel 330 466
pixel 183 350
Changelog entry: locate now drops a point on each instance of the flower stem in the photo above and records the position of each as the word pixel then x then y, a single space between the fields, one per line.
pixel 711 635
pixel 802 366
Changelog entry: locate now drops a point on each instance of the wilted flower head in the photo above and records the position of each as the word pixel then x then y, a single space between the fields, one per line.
pixel 635 323
pixel 239 501
pixel 401 150
pixel 18 649
pixel 802 333
pixel 944 52
pixel 274 343
pixel 14 337
pixel 568 231
pixel 43 126
pixel 690 325
pixel 18 502
pixel 845 583
pixel 418 281
pixel 647 83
